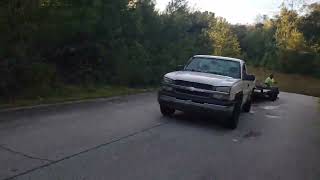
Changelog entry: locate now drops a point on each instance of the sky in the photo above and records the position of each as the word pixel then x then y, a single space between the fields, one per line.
pixel 235 11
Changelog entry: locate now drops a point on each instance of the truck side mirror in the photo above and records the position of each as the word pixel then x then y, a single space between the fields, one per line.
pixel 248 77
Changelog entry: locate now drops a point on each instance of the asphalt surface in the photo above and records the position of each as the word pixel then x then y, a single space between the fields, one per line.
pixel 127 138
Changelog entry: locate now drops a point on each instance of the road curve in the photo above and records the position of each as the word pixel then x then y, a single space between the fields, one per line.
pixel 127 138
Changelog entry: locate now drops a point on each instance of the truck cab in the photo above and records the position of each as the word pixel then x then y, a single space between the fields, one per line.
pixel 212 84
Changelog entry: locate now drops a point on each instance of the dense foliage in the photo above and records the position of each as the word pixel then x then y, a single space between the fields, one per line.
pixel 288 42
pixel 48 43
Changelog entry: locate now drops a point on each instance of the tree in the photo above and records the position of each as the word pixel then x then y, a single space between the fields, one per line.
pixel 287 34
pixel 48 43
pixel 294 5
pixel 224 42
pixel 177 6
pixel 310 27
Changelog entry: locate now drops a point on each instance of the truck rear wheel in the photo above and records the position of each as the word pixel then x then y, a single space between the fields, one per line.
pixel 166 111
pixel 232 122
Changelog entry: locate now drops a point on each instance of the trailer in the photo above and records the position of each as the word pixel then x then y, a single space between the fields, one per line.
pixel 261 90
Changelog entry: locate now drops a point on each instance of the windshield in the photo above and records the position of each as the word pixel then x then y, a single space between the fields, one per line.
pixel 215 66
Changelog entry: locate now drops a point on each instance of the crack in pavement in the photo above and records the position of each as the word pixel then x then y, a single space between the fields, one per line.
pixel 84 151
pixel 3 147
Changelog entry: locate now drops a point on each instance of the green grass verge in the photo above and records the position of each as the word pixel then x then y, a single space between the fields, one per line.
pixel 290 82
pixel 72 93
pixel 287 82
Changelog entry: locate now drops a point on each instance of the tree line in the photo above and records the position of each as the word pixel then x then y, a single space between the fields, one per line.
pixel 46 44
pixel 288 42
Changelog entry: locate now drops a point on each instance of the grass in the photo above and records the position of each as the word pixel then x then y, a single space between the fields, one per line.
pixel 72 93
pixel 287 82
pixel 293 83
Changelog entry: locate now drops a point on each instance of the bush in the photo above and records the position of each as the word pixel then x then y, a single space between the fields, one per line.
pixel 298 62
pixel 27 79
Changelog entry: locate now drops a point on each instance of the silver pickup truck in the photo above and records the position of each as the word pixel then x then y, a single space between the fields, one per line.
pixel 211 84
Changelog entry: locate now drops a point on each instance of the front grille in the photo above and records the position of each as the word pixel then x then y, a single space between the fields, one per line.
pixel 197 99
pixel 193 84
pixel 193 93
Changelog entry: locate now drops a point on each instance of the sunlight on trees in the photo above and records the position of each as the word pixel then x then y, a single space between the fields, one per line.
pixel 225 43
pixel 287 35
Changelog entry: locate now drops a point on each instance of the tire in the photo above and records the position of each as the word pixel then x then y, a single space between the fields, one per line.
pixel 247 106
pixel 273 96
pixel 166 111
pixel 232 122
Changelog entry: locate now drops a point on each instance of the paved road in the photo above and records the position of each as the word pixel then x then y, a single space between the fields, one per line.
pixel 127 138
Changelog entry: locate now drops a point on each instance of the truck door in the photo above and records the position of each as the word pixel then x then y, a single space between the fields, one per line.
pixel 246 85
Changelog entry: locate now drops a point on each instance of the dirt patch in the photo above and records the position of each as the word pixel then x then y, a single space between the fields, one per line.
pixel 251 134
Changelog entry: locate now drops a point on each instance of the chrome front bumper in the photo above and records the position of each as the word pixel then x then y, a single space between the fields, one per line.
pixel 183 105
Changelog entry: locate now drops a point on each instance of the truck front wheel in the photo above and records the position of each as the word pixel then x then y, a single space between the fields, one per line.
pixel 232 122
pixel 166 111
pixel 247 106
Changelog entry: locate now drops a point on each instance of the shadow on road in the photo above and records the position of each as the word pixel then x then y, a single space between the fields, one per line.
pixel 212 121
pixel 204 121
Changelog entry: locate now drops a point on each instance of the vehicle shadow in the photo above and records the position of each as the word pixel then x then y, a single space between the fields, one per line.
pixel 212 121
pixel 261 100
pixel 201 120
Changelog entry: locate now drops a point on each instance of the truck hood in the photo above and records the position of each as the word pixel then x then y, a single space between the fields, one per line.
pixel 204 78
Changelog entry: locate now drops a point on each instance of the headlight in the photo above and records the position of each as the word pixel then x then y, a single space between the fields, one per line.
pixel 223 89
pixel 221 96
pixel 168 80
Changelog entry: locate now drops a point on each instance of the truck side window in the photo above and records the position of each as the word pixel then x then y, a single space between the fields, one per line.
pixel 244 70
